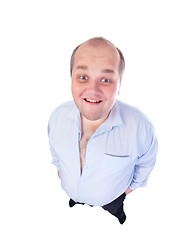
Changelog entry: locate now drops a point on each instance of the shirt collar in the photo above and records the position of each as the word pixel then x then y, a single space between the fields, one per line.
pixel 74 114
pixel 114 119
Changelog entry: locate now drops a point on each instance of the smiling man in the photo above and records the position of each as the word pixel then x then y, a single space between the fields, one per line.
pixel 103 149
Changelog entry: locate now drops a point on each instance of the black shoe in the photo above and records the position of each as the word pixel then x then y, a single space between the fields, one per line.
pixel 72 203
pixel 122 219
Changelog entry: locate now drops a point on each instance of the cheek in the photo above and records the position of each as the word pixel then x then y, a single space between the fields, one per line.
pixel 112 93
pixel 74 87
pixel 76 90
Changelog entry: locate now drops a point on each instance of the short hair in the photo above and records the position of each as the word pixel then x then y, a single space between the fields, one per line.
pixel 96 41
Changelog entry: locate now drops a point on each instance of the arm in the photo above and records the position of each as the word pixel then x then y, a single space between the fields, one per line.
pixel 145 162
pixel 58 174
pixel 55 160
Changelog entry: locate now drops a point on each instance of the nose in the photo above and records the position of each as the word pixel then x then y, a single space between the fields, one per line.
pixel 93 86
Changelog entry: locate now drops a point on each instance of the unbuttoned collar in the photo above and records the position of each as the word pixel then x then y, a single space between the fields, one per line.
pixel 74 115
pixel 114 119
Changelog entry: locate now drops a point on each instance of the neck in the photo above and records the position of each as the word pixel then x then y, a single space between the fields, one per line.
pixel 89 127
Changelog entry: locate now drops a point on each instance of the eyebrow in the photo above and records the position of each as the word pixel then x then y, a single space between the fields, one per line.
pixel 83 67
pixel 106 70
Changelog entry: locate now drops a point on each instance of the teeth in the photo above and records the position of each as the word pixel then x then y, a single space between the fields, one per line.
pixel 92 101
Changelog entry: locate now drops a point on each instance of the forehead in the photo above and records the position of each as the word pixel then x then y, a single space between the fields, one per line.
pixel 102 54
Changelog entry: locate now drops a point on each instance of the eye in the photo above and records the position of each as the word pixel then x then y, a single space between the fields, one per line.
pixel 83 77
pixel 105 80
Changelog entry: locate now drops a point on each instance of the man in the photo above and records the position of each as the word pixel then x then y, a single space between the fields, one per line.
pixel 103 149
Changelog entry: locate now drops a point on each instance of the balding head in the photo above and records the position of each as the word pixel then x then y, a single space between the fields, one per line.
pixel 100 42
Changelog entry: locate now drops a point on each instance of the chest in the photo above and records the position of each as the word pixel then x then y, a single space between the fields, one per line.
pixel 82 149
pixel 75 151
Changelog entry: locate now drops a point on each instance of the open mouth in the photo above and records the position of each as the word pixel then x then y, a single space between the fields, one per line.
pixel 92 100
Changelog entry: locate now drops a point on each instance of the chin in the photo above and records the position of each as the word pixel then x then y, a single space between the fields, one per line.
pixel 91 118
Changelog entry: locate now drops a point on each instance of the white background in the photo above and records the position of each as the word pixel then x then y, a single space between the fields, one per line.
pixel 36 41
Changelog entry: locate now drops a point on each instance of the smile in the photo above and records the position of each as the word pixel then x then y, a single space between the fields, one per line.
pixel 92 101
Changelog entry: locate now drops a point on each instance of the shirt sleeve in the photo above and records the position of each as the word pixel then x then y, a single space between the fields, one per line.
pixel 145 162
pixel 54 160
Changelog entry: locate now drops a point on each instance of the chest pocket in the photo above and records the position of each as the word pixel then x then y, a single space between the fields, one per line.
pixel 114 164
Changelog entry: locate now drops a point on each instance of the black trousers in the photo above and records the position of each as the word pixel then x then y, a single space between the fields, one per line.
pixel 115 207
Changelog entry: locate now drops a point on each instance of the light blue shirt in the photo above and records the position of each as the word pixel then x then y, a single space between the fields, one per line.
pixel 120 154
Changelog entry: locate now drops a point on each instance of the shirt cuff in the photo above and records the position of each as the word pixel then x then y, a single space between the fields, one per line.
pixel 134 185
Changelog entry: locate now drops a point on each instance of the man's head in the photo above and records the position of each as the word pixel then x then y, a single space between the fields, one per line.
pixel 96 70
pixel 101 40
